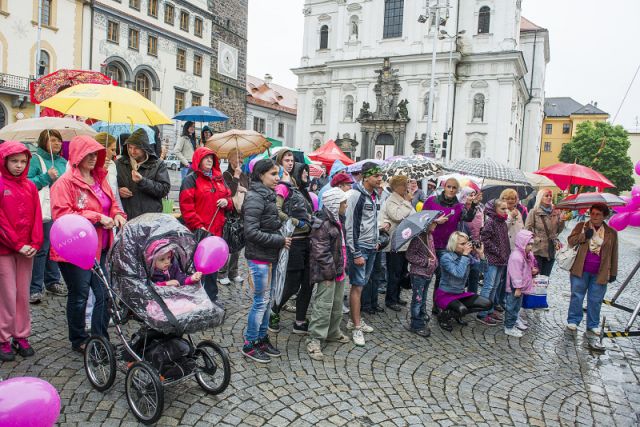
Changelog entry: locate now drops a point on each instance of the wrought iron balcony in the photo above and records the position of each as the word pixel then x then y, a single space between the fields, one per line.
pixel 16 85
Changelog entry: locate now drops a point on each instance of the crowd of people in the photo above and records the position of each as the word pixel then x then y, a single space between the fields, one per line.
pixel 481 258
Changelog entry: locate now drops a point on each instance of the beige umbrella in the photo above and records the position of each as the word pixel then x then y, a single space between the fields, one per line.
pixel 28 130
pixel 248 142
pixel 539 181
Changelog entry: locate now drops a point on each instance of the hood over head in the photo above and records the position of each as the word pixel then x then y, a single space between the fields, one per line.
pixel 331 200
pixel 281 154
pixel 523 238
pixel 140 139
pixel 81 146
pixel 200 154
pixel 155 249
pixel 490 210
pixel 296 173
pixel 9 148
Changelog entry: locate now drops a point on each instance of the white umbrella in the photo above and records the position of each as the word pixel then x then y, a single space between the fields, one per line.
pixel 29 130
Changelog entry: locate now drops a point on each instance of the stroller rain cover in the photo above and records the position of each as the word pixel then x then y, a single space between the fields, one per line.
pixel 167 309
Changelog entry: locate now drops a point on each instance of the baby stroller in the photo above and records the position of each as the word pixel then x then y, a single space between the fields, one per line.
pixel 161 353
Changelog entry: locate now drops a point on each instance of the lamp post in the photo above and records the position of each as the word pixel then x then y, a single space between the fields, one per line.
pixel 447 131
pixel 38 44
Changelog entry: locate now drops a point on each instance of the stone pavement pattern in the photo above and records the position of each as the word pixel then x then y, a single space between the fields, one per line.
pixel 473 376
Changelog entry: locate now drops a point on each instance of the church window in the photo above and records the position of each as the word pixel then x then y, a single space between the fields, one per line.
pixel 318 114
pixel 393 14
pixel 484 20
pixel 478 107
pixel 324 37
pixel 476 150
pixel 348 108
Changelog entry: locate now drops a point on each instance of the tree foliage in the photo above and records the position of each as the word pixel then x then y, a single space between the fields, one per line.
pixel 604 148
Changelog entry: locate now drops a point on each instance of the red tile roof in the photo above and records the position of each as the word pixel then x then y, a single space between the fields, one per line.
pixel 271 96
pixel 526 25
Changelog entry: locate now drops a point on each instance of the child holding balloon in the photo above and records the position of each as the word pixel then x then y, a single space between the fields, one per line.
pixel 20 238
pixel 166 270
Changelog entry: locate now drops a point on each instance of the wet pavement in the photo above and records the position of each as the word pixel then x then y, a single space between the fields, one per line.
pixel 473 376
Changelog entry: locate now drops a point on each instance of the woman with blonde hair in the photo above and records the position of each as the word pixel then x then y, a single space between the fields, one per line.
pixel 546 223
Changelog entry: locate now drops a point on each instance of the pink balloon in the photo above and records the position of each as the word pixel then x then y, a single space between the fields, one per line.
pixel 635 192
pixel 26 401
pixel 75 239
pixel 253 162
pixel 634 219
pixel 619 221
pixel 211 255
pixel 314 200
pixel 638 167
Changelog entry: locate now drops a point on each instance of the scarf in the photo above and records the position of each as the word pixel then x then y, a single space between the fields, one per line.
pixel 547 210
pixel 596 241
pixel 445 201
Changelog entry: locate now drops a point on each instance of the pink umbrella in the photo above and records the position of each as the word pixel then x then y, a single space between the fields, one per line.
pixel 568 174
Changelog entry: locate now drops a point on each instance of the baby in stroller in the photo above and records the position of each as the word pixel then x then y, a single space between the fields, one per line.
pixel 166 270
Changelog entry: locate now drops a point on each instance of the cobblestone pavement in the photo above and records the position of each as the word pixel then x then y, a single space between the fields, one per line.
pixel 473 376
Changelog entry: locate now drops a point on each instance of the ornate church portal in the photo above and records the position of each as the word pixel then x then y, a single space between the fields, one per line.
pixel 383 131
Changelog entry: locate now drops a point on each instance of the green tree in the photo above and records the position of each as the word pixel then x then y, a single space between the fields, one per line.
pixel 602 147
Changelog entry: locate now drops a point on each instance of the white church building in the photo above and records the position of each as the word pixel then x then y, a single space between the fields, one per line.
pixel 365 74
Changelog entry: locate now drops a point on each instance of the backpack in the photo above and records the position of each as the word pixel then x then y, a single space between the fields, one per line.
pixel 172 356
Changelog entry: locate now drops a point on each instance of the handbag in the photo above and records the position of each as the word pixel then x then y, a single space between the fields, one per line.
pixel 233 233
pixel 200 234
pixel 44 195
pixel 551 249
pixel 566 257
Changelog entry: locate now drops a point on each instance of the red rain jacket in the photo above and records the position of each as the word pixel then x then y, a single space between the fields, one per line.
pixel 71 195
pixel 199 195
pixel 20 214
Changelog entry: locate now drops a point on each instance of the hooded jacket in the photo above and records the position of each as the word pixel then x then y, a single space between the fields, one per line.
pixel 199 195
pixel 495 237
pixel 261 224
pixel 72 195
pixel 155 183
pixel 156 249
pixel 294 202
pixel 421 255
pixel 20 214
pixel 327 241
pixel 458 213
pixel 521 264
pixel 361 224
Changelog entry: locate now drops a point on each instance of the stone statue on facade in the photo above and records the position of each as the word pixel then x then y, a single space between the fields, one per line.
pixel 364 111
pixel 403 112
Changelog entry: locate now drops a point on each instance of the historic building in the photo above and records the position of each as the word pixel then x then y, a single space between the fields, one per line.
pixel 61 47
pixel 365 77
pixel 561 116
pixel 271 110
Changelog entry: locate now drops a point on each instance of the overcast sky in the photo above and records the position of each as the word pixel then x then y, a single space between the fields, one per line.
pixel 594 48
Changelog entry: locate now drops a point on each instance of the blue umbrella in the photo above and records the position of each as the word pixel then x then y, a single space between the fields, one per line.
pixel 201 114
pixel 116 129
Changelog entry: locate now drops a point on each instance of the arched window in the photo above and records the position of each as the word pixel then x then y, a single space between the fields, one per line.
pixel 476 150
pixel 114 72
pixel 143 85
pixel 319 111
pixel 324 37
pixel 426 105
pixel 484 20
pixel 348 108
pixel 393 14
pixel 478 107
pixel 45 62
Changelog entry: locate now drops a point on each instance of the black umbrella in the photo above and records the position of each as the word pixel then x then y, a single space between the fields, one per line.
pixel 411 227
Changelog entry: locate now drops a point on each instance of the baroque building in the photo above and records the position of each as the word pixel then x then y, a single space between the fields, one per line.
pixel 365 77
pixel 271 110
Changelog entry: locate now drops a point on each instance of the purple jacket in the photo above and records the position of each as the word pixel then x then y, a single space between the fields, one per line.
pixel 160 278
pixel 421 255
pixel 442 232
pixel 519 274
pixel 495 237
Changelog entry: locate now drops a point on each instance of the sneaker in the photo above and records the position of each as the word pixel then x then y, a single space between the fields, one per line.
pixel 402 302
pixel 497 317
pixel 358 337
pixel 423 332
pixel 57 289
pixel 290 306
pixel 274 323
pixel 513 332
pixel 238 279
pixel 35 298
pixel 301 329
pixel 253 352
pixel 521 325
pixel 572 327
pixel 499 308
pixel 6 352
pixel 487 320
pixel 345 309
pixel 382 291
pixel 225 281
pixel 314 350
pixel 342 339
pixel 523 320
pixel 594 332
pixel 22 347
pixel 365 328
pixel 394 307
pixel 265 345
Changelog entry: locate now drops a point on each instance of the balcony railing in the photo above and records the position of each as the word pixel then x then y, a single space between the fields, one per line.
pixel 14 84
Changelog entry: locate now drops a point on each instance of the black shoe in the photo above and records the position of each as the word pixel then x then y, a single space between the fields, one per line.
pixel 378 309
pixel 444 321
pixel 301 329
pixel 265 345
pixel 22 347
pixel 402 302
pixel 423 332
pixel 460 321
pixel 371 311
pixel 499 308
pixel 274 322
pixel 6 352
pixel 253 352
pixel 435 310
pixel 394 307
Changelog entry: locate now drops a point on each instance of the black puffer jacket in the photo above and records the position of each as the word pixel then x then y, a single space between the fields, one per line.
pixel 155 183
pixel 261 224
pixel 326 248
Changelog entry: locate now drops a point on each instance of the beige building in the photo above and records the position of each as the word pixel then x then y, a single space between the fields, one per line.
pixel 634 152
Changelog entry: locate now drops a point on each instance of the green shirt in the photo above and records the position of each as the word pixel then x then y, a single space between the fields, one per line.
pixel 40 177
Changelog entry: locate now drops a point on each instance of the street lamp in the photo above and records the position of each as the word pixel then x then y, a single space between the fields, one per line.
pixel 446 143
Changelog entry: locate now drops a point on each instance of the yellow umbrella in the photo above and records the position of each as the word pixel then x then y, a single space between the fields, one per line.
pixel 113 104
pixel 248 142
pixel 28 130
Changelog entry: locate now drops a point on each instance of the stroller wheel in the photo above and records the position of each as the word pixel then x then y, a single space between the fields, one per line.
pixel 144 392
pixel 213 370
pixel 100 363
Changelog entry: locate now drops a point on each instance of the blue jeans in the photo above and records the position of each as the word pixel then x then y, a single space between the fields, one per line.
pixel 258 320
pixel 79 282
pixel 492 278
pixel 420 286
pixel 45 272
pixel 511 310
pixel 361 276
pixel 184 171
pixel 581 286
pixel 210 284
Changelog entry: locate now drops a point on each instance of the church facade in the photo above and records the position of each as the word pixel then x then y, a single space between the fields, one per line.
pixel 365 74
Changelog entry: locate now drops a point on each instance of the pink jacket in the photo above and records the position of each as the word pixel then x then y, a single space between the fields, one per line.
pixel 519 269
pixel 71 195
